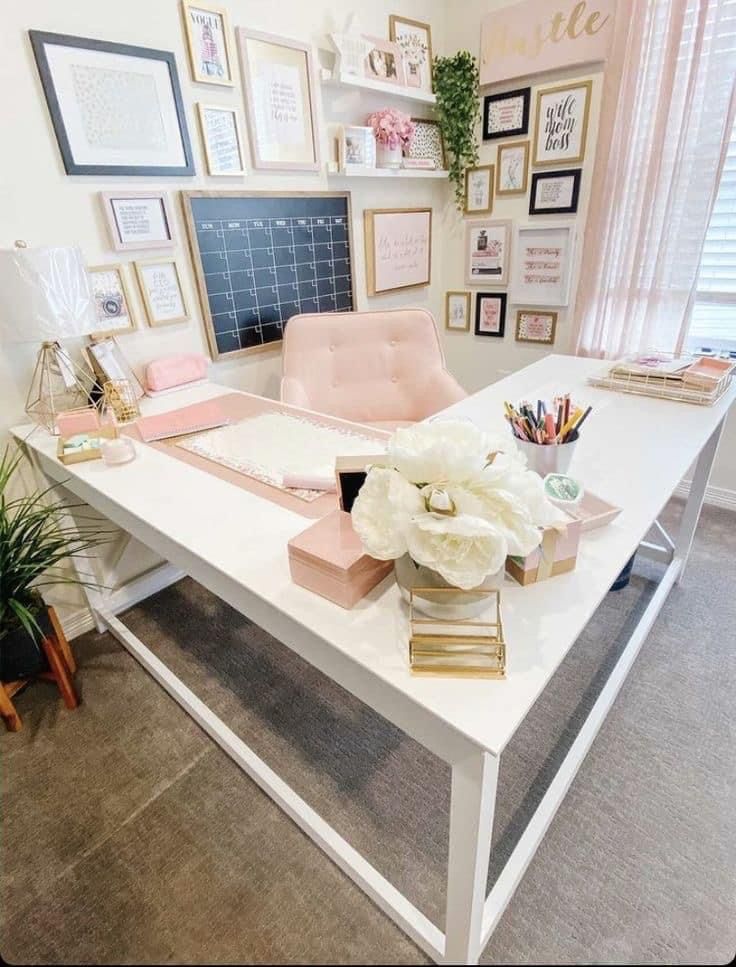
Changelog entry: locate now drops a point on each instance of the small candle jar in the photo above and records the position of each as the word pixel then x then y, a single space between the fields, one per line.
pixel 117 451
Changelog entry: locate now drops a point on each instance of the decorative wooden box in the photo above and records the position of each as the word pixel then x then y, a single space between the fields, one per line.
pixel 328 558
pixel 556 554
pixel 107 432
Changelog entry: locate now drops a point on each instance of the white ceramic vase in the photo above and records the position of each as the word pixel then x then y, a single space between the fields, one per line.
pixel 443 605
pixel 388 157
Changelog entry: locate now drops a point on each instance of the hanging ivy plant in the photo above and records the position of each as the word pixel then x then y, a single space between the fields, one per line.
pixel 456 85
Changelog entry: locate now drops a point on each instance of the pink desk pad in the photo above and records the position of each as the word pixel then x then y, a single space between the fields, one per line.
pixel 240 406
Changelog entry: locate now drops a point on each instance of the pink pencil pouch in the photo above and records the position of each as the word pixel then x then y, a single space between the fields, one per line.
pixel 176 370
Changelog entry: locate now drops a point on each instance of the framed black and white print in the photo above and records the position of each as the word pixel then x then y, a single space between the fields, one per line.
pixel 116 109
pixel 507 114
pixel 555 192
pixel 490 314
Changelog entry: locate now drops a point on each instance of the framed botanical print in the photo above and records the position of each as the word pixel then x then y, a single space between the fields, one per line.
pixel 383 62
pixel 427 143
pixel 116 109
pixel 163 296
pixel 487 252
pixel 555 192
pixel 561 124
pixel 415 42
pixel 398 247
pixel 512 168
pixel 138 219
pixel 543 257
pixel 507 114
pixel 279 84
pixel 535 325
pixel 457 311
pixel 490 314
pixel 208 40
pixel 223 147
pixel 112 300
pixel 479 190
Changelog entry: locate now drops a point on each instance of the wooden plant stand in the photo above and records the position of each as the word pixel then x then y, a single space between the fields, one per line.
pixel 61 668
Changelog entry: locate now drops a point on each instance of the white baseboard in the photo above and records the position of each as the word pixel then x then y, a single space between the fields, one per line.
pixel 77 623
pixel 716 496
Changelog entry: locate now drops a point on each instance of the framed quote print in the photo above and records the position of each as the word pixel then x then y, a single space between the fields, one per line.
pixel 208 39
pixel 116 109
pixel 162 292
pixel 112 300
pixel 223 147
pixel 398 247
pixel 543 257
pixel 490 314
pixel 137 219
pixel 537 326
pixel 561 124
pixel 487 252
pixel 479 190
pixel 457 311
pixel 279 85
pixel 555 192
pixel 505 115
pixel 512 168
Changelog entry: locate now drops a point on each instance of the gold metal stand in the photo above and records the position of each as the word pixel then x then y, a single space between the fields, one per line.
pixel 57 384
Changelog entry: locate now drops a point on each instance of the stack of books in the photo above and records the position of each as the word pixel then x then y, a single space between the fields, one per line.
pixel 689 379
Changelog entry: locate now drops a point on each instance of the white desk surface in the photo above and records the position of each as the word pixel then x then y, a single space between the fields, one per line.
pixel 633 451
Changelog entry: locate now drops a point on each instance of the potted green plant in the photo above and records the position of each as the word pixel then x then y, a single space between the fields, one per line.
pixel 36 537
pixel 456 86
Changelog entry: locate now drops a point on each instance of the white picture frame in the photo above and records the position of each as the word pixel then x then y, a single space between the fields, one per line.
pixel 221 140
pixel 356 148
pixel 138 220
pixel 487 251
pixel 162 292
pixel 561 124
pixel 542 264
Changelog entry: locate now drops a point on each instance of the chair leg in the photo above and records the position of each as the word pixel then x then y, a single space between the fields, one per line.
pixel 8 713
pixel 60 671
pixel 62 640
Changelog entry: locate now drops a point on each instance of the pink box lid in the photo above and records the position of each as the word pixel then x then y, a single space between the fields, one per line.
pixel 332 545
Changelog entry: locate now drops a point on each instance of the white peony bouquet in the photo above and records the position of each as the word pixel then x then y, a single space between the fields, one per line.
pixel 454 498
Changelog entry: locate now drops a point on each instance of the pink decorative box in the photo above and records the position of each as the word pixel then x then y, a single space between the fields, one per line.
pixel 557 554
pixel 178 370
pixel 328 558
pixel 85 419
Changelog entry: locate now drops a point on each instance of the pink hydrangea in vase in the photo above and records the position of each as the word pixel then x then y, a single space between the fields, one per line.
pixel 394 132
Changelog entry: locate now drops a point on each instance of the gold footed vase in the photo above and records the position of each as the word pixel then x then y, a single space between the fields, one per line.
pixel 443 604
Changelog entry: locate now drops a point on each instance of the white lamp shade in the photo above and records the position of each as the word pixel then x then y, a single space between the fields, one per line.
pixel 45 294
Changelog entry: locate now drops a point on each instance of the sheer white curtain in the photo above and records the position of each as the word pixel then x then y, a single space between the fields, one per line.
pixel 668 107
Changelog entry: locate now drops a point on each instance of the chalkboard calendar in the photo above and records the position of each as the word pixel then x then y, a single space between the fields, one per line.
pixel 261 258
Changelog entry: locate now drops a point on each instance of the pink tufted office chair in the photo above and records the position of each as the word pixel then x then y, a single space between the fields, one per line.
pixel 383 368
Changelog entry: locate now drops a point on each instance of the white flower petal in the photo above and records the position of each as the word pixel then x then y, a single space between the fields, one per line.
pixel 463 549
pixel 382 511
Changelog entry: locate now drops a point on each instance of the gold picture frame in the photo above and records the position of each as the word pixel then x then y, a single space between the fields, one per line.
pixel 395 20
pixel 512 145
pixel 187 7
pixel 489 208
pixel 151 316
pixel 224 109
pixel 119 269
pixel 568 159
pixel 370 216
pixel 460 294
pixel 548 340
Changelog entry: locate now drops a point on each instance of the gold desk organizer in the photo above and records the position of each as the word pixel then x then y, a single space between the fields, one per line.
pixel 471 649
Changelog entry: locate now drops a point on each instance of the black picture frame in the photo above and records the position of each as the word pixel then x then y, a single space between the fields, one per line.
pixel 523 92
pixel 480 296
pixel 570 209
pixel 41 39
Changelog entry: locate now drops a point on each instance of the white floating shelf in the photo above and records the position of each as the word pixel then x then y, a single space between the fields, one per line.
pixel 364 84
pixel 334 172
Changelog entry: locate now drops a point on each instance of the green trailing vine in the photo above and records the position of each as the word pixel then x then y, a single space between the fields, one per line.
pixel 456 85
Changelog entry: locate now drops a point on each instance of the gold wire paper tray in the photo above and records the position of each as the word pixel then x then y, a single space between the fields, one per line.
pixel 670 386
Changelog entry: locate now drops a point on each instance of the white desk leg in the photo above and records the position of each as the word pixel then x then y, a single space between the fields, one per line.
pixel 471 824
pixel 694 505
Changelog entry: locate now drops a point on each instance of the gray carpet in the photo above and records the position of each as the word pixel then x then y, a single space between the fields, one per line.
pixel 128 837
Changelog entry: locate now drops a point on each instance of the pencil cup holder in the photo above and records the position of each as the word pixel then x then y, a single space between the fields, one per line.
pixel 547 458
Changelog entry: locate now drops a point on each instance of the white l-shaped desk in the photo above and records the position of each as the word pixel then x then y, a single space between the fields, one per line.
pixel 634 451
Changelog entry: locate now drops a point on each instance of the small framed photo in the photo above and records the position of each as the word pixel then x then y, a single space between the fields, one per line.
pixel 398 246
pixel 223 146
pixel 487 252
pixel 561 124
pixel 427 143
pixel 534 325
pixel 512 168
pixel 555 192
pixel 490 314
pixel 356 147
pixel 112 300
pixel 138 219
pixel 479 190
pixel 457 311
pixel 162 291
pixel 543 258
pixel 414 39
pixel 507 114
pixel 208 39
pixel 384 62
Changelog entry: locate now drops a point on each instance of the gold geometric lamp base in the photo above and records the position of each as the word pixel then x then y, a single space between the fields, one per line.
pixel 57 384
